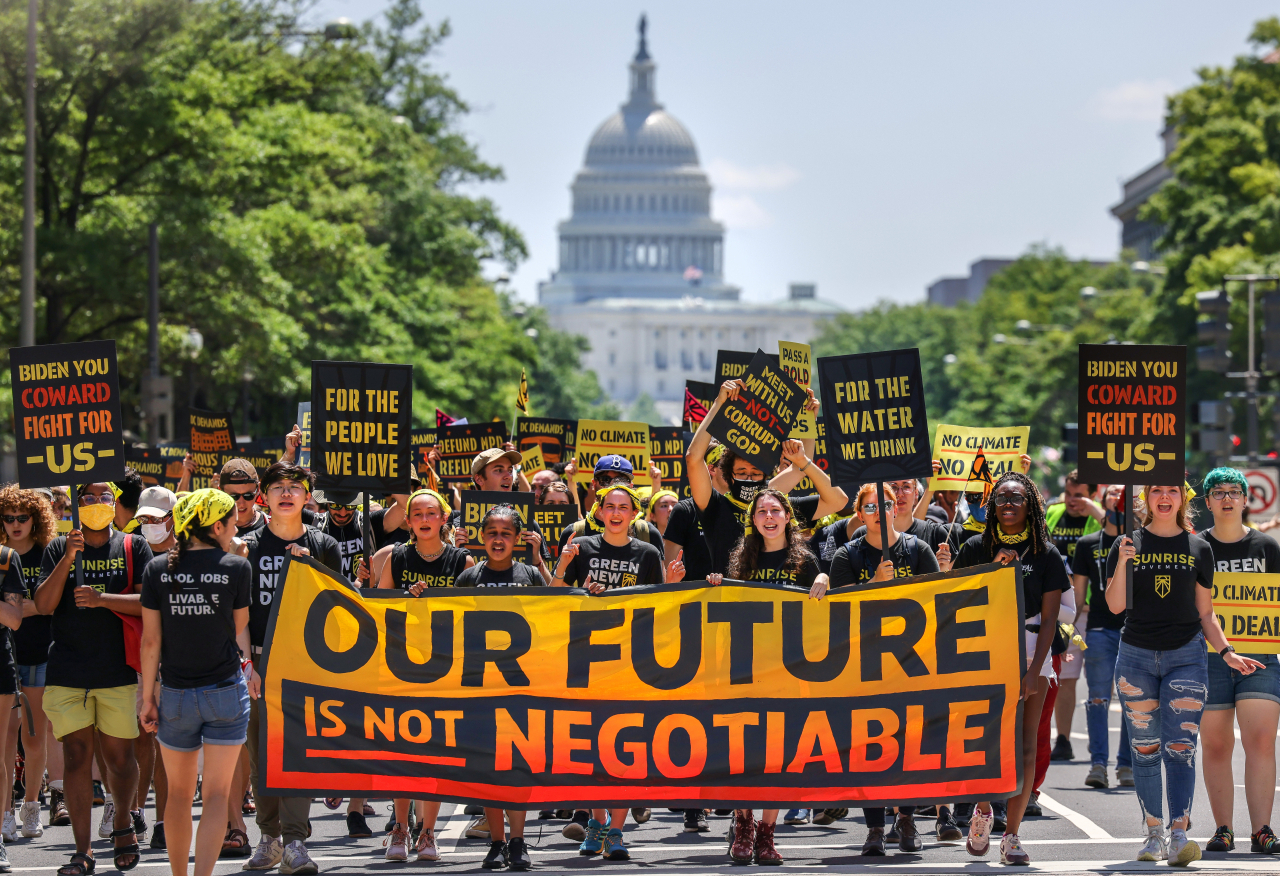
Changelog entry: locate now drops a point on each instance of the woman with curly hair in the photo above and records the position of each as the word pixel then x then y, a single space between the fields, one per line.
pixel 773 550
pixel 1015 531
pixel 29 525
pixel 1161 668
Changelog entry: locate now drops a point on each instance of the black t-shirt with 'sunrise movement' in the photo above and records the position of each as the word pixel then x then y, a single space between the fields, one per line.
pixel 1166 572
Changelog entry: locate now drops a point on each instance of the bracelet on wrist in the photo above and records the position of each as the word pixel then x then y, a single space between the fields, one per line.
pixel 1230 649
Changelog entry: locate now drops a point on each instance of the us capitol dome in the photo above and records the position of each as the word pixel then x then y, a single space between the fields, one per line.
pixel 641 263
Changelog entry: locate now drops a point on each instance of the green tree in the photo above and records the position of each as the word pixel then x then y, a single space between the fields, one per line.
pixel 309 194
pixel 643 410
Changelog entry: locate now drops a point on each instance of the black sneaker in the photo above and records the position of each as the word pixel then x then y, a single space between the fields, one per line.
pixel 1033 809
pixel 947 829
pixel 724 812
pixel 473 809
pixel 1000 809
pixel 564 814
pixel 1224 840
pixel 695 821
pixel 497 857
pixel 139 825
pixel 357 827
pixel 963 812
pixel 873 845
pixel 641 814
pixel 1062 749
pixel 99 793
pixel 892 836
pixel 546 814
pixel 518 854
pixel 908 837
pixel 157 837
pixel 1264 841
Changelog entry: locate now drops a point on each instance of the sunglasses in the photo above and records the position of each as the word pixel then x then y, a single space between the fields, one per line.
pixel 16 518
pixel 872 507
pixel 1014 499
pixel 334 507
pixel 104 499
pixel 243 497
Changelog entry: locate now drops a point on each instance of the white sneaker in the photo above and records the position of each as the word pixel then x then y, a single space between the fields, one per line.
pixel 397 844
pixel 108 820
pixel 297 861
pixel 29 814
pixel 266 855
pixel 979 833
pixel 426 848
pixel 1011 851
pixel 10 829
pixel 1182 851
pixel 1154 848
pixel 4 860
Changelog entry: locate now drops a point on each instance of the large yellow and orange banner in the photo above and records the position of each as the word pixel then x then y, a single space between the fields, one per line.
pixel 680 695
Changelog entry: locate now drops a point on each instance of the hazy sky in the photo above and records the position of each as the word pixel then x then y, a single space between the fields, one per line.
pixel 870 148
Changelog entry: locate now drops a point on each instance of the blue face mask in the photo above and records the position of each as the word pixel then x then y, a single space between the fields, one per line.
pixel 978 512
pixel 1115 518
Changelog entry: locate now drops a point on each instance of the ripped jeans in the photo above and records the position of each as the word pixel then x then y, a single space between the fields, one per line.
pixel 1163 695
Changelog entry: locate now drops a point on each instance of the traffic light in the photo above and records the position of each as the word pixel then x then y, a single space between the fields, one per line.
pixel 1271 329
pixel 1214 331
pixel 1214 434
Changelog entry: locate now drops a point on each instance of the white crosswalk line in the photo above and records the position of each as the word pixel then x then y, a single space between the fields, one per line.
pixel 1090 828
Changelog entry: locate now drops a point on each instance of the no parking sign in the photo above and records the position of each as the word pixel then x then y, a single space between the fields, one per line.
pixel 1264 491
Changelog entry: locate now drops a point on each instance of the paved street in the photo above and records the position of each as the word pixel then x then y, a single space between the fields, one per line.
pixel 1082 830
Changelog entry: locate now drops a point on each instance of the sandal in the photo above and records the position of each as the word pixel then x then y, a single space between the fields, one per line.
pixel 76 868
pixel 248 807
pixel 235 845
pixel 118 852
pixel 332 802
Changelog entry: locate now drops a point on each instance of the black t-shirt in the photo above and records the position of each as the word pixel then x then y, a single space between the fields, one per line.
pixel 685 529
pixel 382 538
pixel 197 603
pixel 931 532
pixel 1068 531
pixel 1041 573
pixel 33 637
pixel 772 567
pixel 1256 553
pixel 350 539
pixel 12 582
pixel 88 643
pixel 856 562
pixel 266 558
pixel 725 523
pixel 1166 571
pixel 826 541
pixel 455 520
pixel 629 565
pixel 409 568
pixel 259 521
pixel 518 575
pixel 593 526
pixel 1090 556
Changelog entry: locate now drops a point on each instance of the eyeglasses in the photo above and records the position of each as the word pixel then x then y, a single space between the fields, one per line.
pixel 243 497
pixel 1219 495
pixel 104 499
pixel 872 507
pixel 287 489
pixel 16 518
pixel 1014 499
pixel 771 512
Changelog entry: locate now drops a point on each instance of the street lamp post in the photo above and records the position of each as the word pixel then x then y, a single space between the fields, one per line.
pixel 1252 375
pixel 27 303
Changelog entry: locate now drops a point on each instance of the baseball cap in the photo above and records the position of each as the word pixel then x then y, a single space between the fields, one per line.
pixel 156 502
pixel 338 497
pixel 492 455
pixel 614 463
pixel 238 471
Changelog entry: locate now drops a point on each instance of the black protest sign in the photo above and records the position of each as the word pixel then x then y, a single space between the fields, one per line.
pixel 66 413
pixel 420 443
pixel 873 406
pixel 253 453
pixel 557 438
pixel 553 520
pixel 476 503
pixel 154 468
pixel 1133 413
pixel 666 451
pixel 755 424
pixel 806 486
pixel 730 365
pixel 459 445
pixel 211 436
pixel 304 423
pixel 361 413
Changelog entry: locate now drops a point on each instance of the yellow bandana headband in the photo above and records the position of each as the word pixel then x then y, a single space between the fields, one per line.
pixel 1186 488
pixel 630 491
pixel 201 508
pixel 653 500
pixel 444 506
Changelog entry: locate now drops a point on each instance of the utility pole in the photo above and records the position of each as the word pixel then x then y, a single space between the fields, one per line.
pixel 153 330
pixel 27 303
pixel 1252 375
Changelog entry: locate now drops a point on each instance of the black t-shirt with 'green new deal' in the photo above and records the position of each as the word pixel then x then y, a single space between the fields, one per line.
pixel 1256 553
pixel 630 565
pixel 197 603
pixel 266 558
pixel 1166 572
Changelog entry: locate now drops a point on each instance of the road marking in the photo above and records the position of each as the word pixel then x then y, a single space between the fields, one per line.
pixel 456 822
pixel 1087 825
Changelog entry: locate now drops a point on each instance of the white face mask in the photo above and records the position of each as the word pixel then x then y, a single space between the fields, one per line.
pixel 155 533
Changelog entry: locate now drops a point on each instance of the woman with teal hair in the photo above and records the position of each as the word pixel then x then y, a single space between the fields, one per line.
pixel 1253 700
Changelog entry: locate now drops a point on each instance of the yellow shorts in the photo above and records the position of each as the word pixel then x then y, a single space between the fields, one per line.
pixel 112 710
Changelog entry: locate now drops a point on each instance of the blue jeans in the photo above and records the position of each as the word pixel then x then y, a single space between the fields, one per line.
pixel 1163 694
pixel 1100 674
pixel 215 714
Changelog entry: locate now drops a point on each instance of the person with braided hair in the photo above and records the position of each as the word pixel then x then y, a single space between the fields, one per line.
pixel 1015 531
pixel 195 631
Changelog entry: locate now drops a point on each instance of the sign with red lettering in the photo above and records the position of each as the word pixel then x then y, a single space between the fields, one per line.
pixel 66 413
pixel 1133 413
pixel 211 437
pixel 755 424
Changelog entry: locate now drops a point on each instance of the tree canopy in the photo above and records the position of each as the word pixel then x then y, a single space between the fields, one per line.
pixel 311 192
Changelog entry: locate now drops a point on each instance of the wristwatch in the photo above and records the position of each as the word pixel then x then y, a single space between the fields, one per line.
pixel 1223 652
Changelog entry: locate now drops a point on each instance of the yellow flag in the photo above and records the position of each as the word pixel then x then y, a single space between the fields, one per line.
pixel 522 397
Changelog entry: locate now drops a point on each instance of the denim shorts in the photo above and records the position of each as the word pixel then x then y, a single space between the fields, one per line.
pixel 1227 686
pixel 32 676
pixel 216 714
